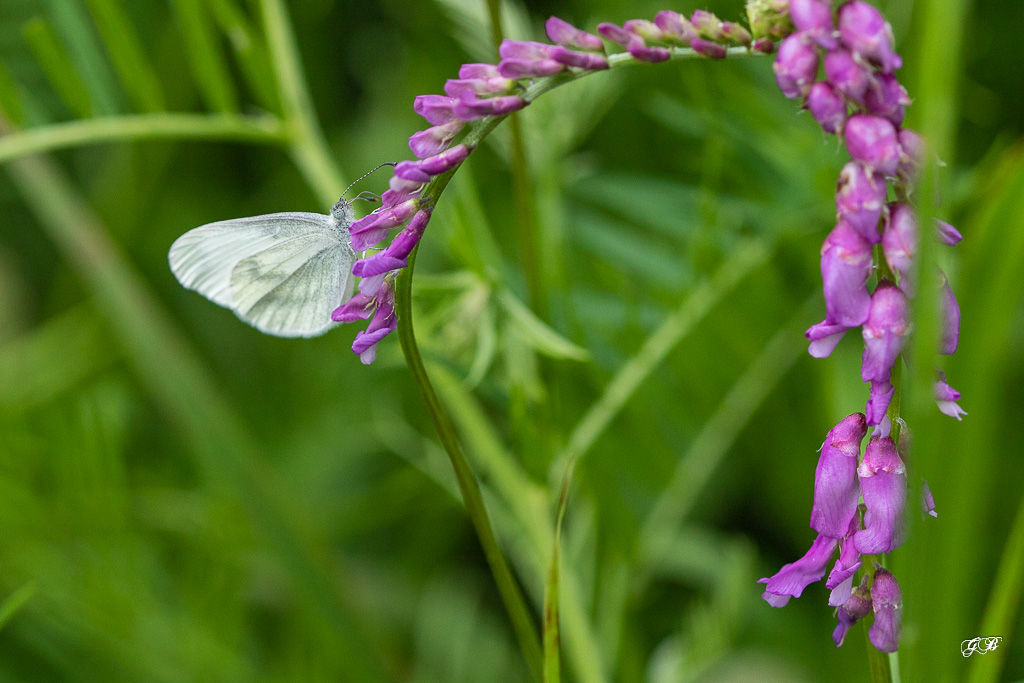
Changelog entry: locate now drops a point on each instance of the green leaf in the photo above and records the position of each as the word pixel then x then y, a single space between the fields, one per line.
pixel 125 49
pixel 10 100
pixel 537 333
pixel 59 69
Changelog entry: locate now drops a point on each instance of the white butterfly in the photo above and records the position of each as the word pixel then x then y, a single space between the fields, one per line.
pixel 283 273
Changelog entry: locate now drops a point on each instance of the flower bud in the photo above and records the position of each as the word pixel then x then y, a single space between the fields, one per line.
pixel 885 332
pixel 872 140
pixel 911 148
pixel 769 19
pixel 836 488
pixel 853 610
pixel 827 107
pixel 709 49
pixel 564 33
pixel 436 109
pixel 736 34
pixel 886 97
pixel 580 60
pixel 529 68
pixel 860 197
pixel 479 71
pixel 947 234
pixel 846 74
pixel 429 142
pixel 796 65
pixel 676 28
pixel 928 501
pixel 410 170
pixel 899 242
pixel 445 161
pixel 763 45
pixel 646 30
pixel 883 484
pixel 468 108
pixel 617 34
pixel 815 18
pixel 864 30
pixel 708 26
pixel 950 319
pixel 454 87
pixel 887 604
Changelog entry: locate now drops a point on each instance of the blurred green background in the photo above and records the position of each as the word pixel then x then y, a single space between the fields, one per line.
pixel 185 499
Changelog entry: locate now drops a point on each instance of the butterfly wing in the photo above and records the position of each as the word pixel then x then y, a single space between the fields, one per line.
pixel 259 266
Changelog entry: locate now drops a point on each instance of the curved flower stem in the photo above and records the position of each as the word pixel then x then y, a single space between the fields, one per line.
pixel 511 595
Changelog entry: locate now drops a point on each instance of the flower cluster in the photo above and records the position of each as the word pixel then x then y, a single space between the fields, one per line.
pixel 494 90
pixel 861 101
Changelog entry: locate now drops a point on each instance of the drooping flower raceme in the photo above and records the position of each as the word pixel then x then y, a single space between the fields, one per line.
pixel 859 505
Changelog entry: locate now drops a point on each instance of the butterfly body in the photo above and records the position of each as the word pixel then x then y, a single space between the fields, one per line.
pixel 283 273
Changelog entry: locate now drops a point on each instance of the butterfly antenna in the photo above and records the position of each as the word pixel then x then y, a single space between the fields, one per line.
pixel 368 196
pixel 377 168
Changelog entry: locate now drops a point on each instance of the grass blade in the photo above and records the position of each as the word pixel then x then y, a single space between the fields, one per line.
pixel 10 100
pixel 59 69
pixel 125 49
pixel 72 24
pixel 204 55
pixel 250 51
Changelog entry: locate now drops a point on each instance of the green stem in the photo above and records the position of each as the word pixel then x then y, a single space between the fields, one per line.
pixel 511 595
pixel 263 129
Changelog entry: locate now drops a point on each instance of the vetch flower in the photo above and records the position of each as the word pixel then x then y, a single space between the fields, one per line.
pixel 899 242
pixel 371 229
pixel 840 579
pixel 878 402
pixel 946 397
pixel 675 27
pixel 836 488
pixel 853 610
pixel 384 322
pixel 824 338
pixel 436 109
pixel 886 97
pixel 872 140
pixel 796 65
pixel 845 269
pixel 708 48
pixel 847 75
pixel 860 198
pixel 948 235
pixel 885 332
pixel 427 143
pixel 827 107
pixel 950 319
pixel 791 580
pixel 469 108
pixel 887 604
pixel 911 148
pixel 928 501
pixel 883 484
pixel 581 60
pixel 567 35
pixel 814 17
pixel 865 31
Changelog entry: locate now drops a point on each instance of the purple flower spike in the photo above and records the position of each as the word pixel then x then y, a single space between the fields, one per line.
pixel 676 27
pixel 815 18
pixel 847 75
pixel 840 579
pixel 886 97
pixel 429 142
pixel 653 55
pixel 872 140
pixel 564 33
pixel 791 580
pixel 824 338
pixel 878 403
pixel 581 60
pixel 384 322
pixel 852 611
pixel 709 49
pixel 468 108
pixel 827 107
pixel 860 197
pixel 864 30
pixel 436 109
pixel 911 148
pixel 899 242
pixel 708 26
pixel 883 483
pixel 796 65
pixel 617 34
pixel 836 489
pixel 647 30
pixel 885 332
pixel 445 161
pixel 948 235
pixel 478 70
pixel 887 604
pixel 950 319
pixel 946 397
pixel 928 501
pixel 845 268
pixel 359 307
